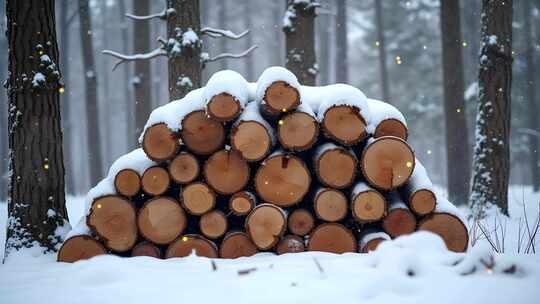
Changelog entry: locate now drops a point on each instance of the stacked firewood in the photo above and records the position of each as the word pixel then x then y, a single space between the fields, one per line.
pixel 236 168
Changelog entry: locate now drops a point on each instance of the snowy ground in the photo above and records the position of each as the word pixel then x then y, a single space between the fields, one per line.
pixel 412 269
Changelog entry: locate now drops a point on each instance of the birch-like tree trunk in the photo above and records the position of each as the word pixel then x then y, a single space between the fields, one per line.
pixel 491 165
pixel 36 208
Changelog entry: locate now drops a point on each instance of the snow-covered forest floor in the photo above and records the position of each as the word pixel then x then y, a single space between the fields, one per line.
pixel 411 269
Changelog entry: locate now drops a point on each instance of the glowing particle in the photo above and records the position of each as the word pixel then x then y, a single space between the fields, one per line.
pixel 185 239
pixel 424 47
pixel 280 122
pixel 428 151
pixel 61 90
pixel 41 52
pixel 284 110
pixel 98 206
pixel 409 164
pixel 458 110
pixel 46 166
pixel 398 60
pixel 377 43
pixel 464 43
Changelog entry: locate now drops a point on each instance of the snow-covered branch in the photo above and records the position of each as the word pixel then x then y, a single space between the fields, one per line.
pixel 228 55
pixel 163 15
pixel 145 56
pixel 217 33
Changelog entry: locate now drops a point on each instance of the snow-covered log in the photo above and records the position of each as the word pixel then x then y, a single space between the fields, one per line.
pixel 80 247
pixel 290 244
pixel 299 130
pixel 278 91
pixel 399 220
pixel 370 240
pixel 367 204
pixel 386 120
pixel 189 244
pixel 418 191
pixel 226 95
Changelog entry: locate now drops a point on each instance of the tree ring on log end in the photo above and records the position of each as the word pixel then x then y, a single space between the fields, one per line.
pixel 159 142
pixel 184 168
pixel 399 222
pixel 235 245
pixel 330 205
pixel 297 131
pixel 191 243
pixel 265 225
pixel 391 127
pixel 336 168
pixel 223 107
pixel 161 220
pixel 155 180
pixel 332 237
pixel 201 134
pixel 146 248
pixel 127 182
pixel 197 198
pixel 213 224
pixel 368 206
pixel 80 247
pixel 422 202
pixel 450 228
pixel 281 97
pixel 241 203
pixel 301 222
pixel 226 172
pixel 344 124
pixel 251 139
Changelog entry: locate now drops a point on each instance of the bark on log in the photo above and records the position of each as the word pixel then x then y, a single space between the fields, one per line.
pixel 370 240
pixel 280 97
pixel 399 220
pixel 160 143
pixel 282 180
pixel 301 222
pixel 298 131
pixel 78 248
pixel 189 243
pixel 367 204
pixel 226 172
pixel 161 220
pixel 335 166
pixel 344 124
pixel 146 248
pixel 223 107
pixel 449 227
pixel 127 182
pixel 332 237
pixel 184 168
pixel 213 224
pixel 290 244
pixel 113 219
pixel 235 245
pixel 201 134
pixel 387 162
pixel 241 203
pixel 197 198
pixel 155 180
pixel 252 136
pixel 265 225
pixel 418 191
pixel 330 205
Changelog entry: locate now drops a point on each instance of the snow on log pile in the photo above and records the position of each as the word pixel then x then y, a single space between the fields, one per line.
pixel 235 168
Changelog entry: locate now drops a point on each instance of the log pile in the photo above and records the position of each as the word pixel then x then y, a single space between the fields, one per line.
pixel 236 168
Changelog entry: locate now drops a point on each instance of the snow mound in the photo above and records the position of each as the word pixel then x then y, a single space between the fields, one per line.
pixel 380 111
pixel 229 82
pixel 271 75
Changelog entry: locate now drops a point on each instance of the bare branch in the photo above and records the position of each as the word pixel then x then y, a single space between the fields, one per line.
pixel 146 56
pixel 217 33
pixel 163 15
pixel 230 55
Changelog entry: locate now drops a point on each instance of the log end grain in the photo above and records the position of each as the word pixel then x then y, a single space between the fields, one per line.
pixel 265 225
pixel 290 244
pixel 189 244
pixel 281 97
pixel 297 131
pixel 422 202
pixel 449 228
pixel 301 222
pixel 159 142
pixel 127 182
pixel 226 171
pixel 155 180
pixel 184 168
pixel 251 139
pixel 391 127
pixel 223 107
pixel 371 245
pixel 161 220
pixel 213 224
pixel 368 206
pixel 197 198
pixel 332 237
pixel 146 248
pixel 336 168
pixel 399 222
pixel 81 247
pixel 201 134
pixel 330 205
pixel 235 245
pixel 344 124
pixel 241 203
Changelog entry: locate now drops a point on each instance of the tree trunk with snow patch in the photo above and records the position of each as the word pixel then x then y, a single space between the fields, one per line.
pixel 342 63
pixel 142 79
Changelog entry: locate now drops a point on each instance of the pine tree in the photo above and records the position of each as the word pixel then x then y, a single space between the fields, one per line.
pixel 36 206
pixel 492 148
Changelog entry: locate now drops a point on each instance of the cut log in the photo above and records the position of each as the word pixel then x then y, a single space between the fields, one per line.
pixel 113 219
pixel 449 227
pixel 418 191
pixel 370 240
pixel 265 225
pixel 184 168
pixel 189 244
pixel 330 205
pixel 226 172
pixel 282 180
pixel 155 181
pixel 367 204
pixel 213 224
pixel 280 97
pixel 335 166
pixel 160 143
pixel 235 245
pixel 301 222
pixel 161 220
pixel 399 220
pixel 81 247
pixel 127 182
pixel 241 203
pixel 197 198
pixel 201 134
pixel 146 248
pixel 298 131
pixel 252 136
pixel 344 124
pixel 332 237
pixel 387 162
pixel 223 107
pixel 386 120
pixel 290 244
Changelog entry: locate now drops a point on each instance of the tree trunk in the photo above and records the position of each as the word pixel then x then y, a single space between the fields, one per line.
pixel 300 41
pixel 142 80
pixel 383 70
pixel 129 117
pixel 324 41
pixel 3 116
pixel 457 150
pixel 106 99
pixel 65 102
pixel 249 63
pixel 534 123
pixel 342 69
pixel 36 194
pixel 222 23
pixel 277 17
pixel 92 111
pixel 492 149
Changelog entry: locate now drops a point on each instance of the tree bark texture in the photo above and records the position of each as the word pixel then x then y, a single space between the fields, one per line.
pixel 250 64
pixel 184 68
pixel 342 70
pixel 142 80
pixel 36 207
pixel 383 70
pixel 3 116
pixel 323 23
pixel 128 100
pixel 491 163
pixel 300 41
pixel 457 150
pixel 91 94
